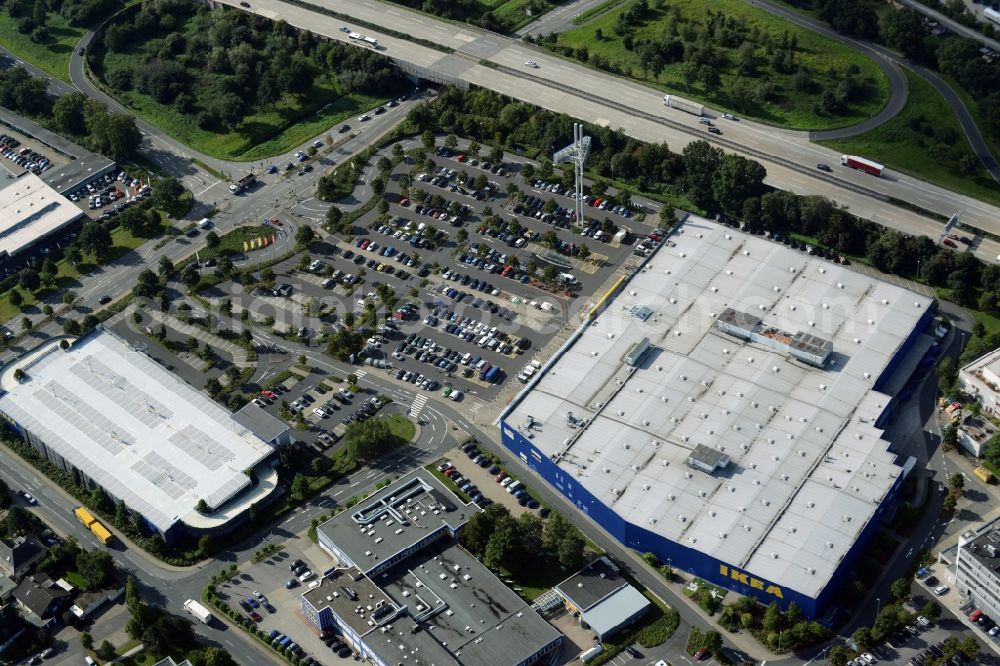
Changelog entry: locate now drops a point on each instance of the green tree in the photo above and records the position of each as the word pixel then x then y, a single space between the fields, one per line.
pixel 900 589
pixel 863 637
pixel 106 651
pixel 839 656
pixel 772 617
pixel 304 235
pixel 166 266
pixel 427 138
pixel 701 161
pixel 94 567
pixel 501 546
pixel 95 239
pixel 735 180
pixel 476 533
pixel 205 545
pixel 190 277
pixel 67 113
pixel 132 600
pixel 15 297
pixel 87 641
pixel 212 240
pixel 947 374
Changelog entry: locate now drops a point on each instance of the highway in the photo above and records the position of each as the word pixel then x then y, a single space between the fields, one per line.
pixel 952 25
pixel 493 61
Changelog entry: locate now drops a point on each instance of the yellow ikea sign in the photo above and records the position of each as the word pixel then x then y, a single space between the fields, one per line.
pixel 747 579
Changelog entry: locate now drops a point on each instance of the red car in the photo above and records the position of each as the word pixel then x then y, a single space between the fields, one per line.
pixel 460 158
pixel 949 242
pixel 255 616
pixel 269 394
pixel 596 202
pixel 365 243
pixel 276 222
pixel 404 202
pixel 701 655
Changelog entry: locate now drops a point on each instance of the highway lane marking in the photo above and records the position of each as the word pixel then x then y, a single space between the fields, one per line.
pixel 354 484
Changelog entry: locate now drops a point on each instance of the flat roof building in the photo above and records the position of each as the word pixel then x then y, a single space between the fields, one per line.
pixel 115 416
pixel 746 447
pixel 977 568
pixel 981 379
pixel 604 600
pixel 432 603
pixel 30 211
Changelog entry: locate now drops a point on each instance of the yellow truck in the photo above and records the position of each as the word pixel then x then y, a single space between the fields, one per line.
pixel 984 474
pixel 93 524
pixel 84 516
pixel 101 532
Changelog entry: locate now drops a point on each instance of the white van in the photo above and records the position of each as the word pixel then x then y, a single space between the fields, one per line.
pixel 306 576
pixel 513 487
pixel 465 359
pixel 506 482
pixel 205 223
pixel 566 278
pixel 481 364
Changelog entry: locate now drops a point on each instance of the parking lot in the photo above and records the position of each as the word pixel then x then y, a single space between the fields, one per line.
pixel 280 612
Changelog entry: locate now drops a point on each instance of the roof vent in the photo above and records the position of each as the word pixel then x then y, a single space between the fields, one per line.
pixel 792 307
pixel 811 323
pixel 829 544
pixel 776 288
pixel 811 505
pixel 811 570
pixel 822 270
pixel 723 535
pixel 784 477
pixel 916 304
pixel 729 272
pixel 682 255
pixel 840 285
pixel 671 497
pixel 867 375
pixel 871 322
pixel 712 513
pixel 774 556
pixel 746 253
pixel 725 350
pixel 885 302
pixel 826 306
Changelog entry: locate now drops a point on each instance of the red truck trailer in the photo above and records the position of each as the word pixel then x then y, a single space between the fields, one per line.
pixel 860 163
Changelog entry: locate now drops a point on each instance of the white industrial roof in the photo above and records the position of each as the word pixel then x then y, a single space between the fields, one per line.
pixel 133 427
pixel 808 467
pixel 30 210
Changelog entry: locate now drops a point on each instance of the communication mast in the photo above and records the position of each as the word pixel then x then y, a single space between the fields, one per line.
pixel 577 153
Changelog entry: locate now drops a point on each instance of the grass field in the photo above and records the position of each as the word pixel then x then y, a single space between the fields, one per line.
pixel 52 54
pixel 925 141
pixel 262 135
pixel 826 61
pixel 400 427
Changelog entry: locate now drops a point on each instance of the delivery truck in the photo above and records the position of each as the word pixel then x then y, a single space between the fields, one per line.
pixel 199 611
pixel 243 183
pixel 84 516
pixel 681 104
pixel 101 532
pixel 861 164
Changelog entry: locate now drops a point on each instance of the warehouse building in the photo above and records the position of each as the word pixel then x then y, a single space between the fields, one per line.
pixel 981 379
pixel 30 212
pixel 743 443
pixel 404 592
pixel 113 417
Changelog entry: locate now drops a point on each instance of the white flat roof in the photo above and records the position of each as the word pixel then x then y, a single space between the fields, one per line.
pixel 808 468
pixel 30 210
pixel 130 425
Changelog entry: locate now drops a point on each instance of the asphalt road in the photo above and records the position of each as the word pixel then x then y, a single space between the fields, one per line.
pixel 559 19
pixel 952 25
pixel 497 62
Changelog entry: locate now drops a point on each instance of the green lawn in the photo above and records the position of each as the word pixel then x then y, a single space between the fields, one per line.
pixel 826 61
pixel 232 242
pixel 925 141
pixel 52 54
pixel 400 427
pixel 447 483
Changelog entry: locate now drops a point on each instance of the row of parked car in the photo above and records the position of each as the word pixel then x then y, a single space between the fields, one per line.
pixel 23 156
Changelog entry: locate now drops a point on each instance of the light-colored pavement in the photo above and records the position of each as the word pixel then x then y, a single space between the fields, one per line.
pixel 597 97
pixel 954 26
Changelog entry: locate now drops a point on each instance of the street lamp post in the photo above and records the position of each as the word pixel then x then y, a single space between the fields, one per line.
pixel 878 605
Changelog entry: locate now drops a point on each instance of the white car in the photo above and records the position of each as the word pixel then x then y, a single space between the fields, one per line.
pixel 532 63
pixel 364 118
pixel 320 412
pixel 29 499
pixel 455 395
pixel 869 658
pixel 728 116
pixel 941 590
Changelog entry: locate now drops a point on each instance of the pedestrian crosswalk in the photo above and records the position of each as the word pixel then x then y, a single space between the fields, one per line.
pixel 418 404
pixel 360 373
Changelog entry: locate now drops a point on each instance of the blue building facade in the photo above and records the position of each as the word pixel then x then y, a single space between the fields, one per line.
pixel 714 570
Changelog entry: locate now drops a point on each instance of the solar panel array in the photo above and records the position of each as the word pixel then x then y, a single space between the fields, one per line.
pixel 201 447
pixel 168 478
pixel 103 379
pixel 113 438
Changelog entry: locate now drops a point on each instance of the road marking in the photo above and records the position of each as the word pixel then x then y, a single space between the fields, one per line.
pixel 418 404
pixel 354 484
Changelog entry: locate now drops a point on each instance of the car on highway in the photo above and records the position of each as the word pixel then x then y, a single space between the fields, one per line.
pixel 344 28
pixel 363 118
pixel 728 116
pixel 104 300
pixel 532 64
pixel 714 130
pixel 823 167
pixel 29 498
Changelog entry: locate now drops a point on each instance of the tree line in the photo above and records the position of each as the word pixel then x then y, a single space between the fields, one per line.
pixel 32 16
pixel 223 65
pixel 521 544
pixel 85 121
